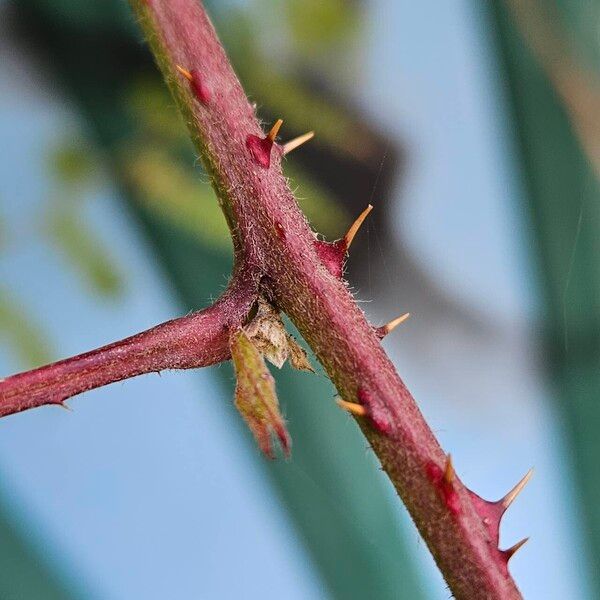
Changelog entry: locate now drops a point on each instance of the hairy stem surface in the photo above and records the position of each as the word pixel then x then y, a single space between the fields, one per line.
pixel 197 340
pixel 276 250
pixel 271 233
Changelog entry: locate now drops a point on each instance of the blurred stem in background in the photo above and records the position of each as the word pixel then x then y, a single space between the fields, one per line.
pixel 564 207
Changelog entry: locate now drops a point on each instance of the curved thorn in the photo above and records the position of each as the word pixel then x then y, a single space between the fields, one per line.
pixel 296 142
pixel 352 407
pixel 389 327
pixel 510 552
pixel 449 473
pixel 275 130
pixel 356 226
pixel 185 73
pixel 510 497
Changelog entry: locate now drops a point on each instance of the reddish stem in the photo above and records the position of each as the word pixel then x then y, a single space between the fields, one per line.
pixel 273 241
pixel 197 340
pixel 272 233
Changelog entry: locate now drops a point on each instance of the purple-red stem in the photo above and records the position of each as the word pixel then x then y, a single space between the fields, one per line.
pixel 197 340
pixel 273 242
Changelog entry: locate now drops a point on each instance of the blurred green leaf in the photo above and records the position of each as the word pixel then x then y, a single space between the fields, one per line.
pixel 318 24
pixel 112 15
pixel 563 203
pixel 177 195
pixel 152 109
pixel 25 572
pixel 22 333
pixel 71 162
pixel 70 232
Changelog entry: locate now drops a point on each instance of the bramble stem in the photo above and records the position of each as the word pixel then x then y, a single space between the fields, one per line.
pixel 270 232
pixel 273 241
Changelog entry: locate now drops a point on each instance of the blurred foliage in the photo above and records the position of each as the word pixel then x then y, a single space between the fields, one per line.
pixel 580 20
pixel 22 333
pixel 172 192
pixel 564 208
pixel 316 25
pixel 325 215
pixel 73 171
pixel 574 75
pixel 69 230
pixel 151 109
pixel 114 15
pixel 290 91
pixel 24 574
pixel 73 165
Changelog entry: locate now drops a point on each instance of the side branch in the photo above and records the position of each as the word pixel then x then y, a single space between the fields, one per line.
pixel 197 340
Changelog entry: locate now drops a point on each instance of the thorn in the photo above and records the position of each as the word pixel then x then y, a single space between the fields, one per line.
pixel 280 230
pixel 510 552
pixel 434 473
pixel 197 84
pixel 65 406
pixel 449 473
pixel 185 73
pixel 376 411
pixel 296 142
pixel 356 226
pixel 389 327
pixel 444 482
pixel 352 407
pixel 332 256
pixel 511 496
pixel 275 130
pixel 260 148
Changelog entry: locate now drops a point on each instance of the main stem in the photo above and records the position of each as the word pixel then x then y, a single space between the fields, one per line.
pixel 270 232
